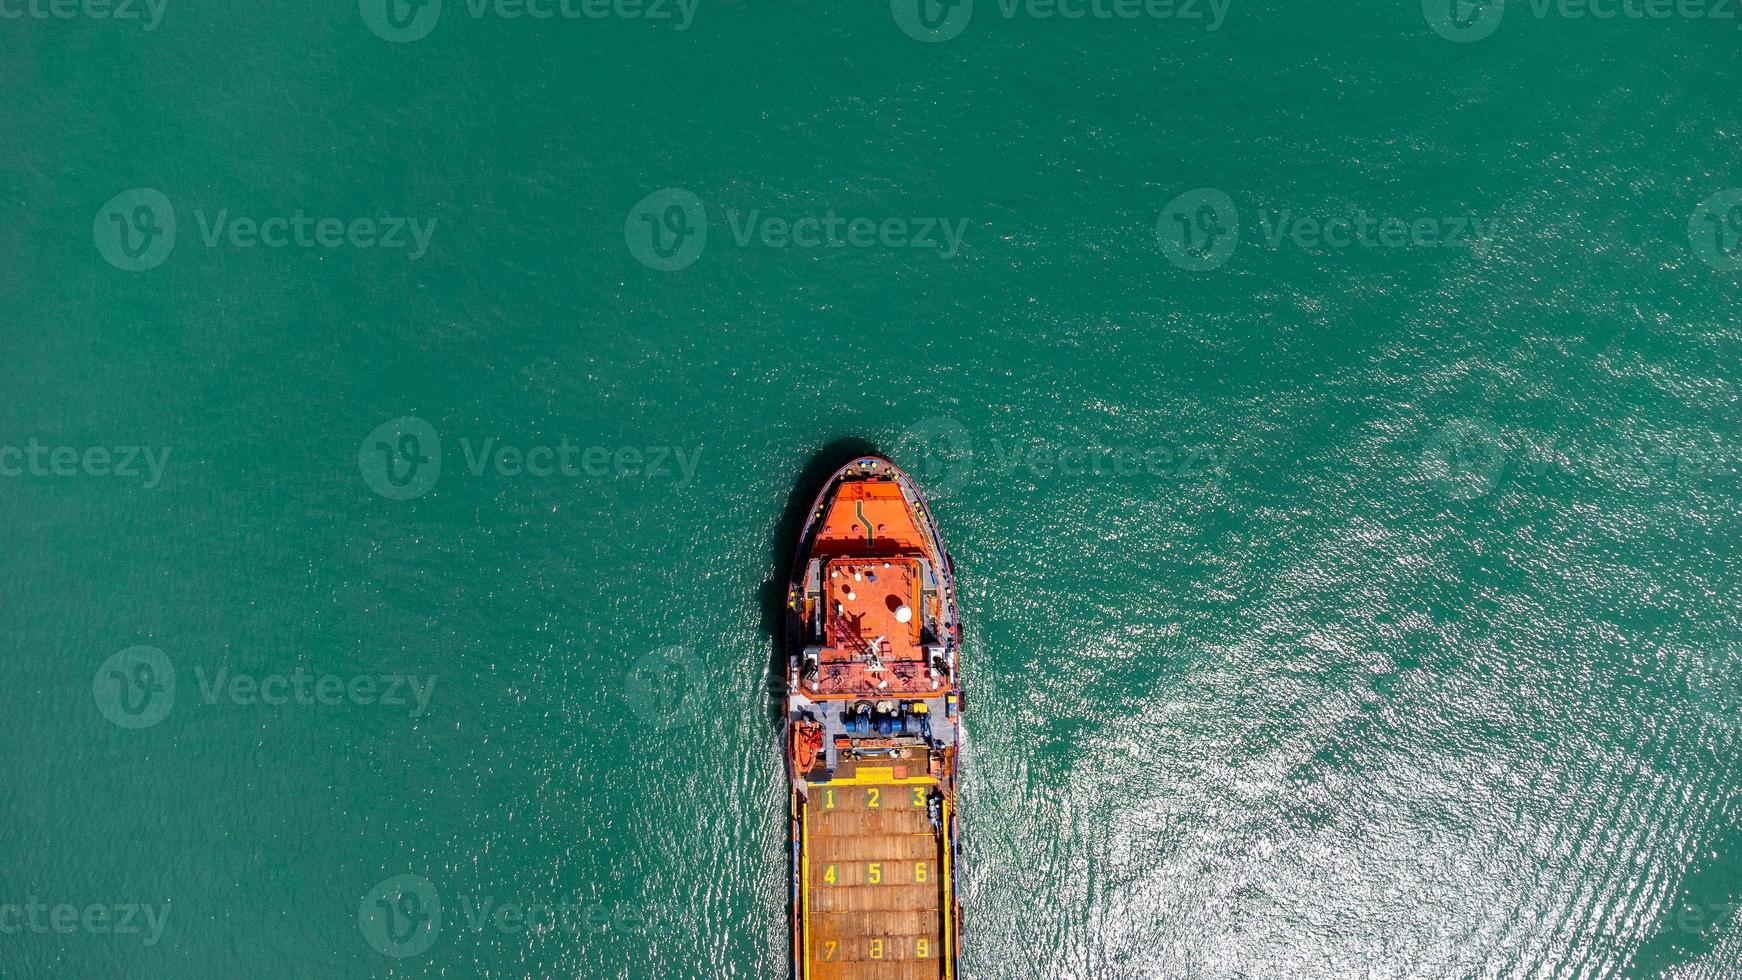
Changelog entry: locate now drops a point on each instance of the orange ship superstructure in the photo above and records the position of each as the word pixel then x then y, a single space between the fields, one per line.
pixel 873 734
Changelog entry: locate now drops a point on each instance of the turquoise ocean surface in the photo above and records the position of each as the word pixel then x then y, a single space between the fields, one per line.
pixel 1332 409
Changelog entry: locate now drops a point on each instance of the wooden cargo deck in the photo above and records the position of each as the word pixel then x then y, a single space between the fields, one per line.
pixel 876 874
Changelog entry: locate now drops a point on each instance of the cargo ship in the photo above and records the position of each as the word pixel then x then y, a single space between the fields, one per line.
pixel 873 734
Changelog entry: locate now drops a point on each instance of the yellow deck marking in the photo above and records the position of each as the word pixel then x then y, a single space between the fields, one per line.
pixel 879 776
pixel 949 908
pixel 804 883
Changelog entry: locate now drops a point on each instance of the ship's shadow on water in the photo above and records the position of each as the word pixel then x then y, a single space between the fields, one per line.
pixel 817 470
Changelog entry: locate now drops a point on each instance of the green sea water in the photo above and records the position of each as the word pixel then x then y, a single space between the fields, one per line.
pixel 1332 411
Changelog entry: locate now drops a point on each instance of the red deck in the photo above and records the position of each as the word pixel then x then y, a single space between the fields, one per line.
pixel 870 545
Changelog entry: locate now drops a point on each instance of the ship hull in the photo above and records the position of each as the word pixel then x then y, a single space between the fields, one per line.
pixel 873 733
